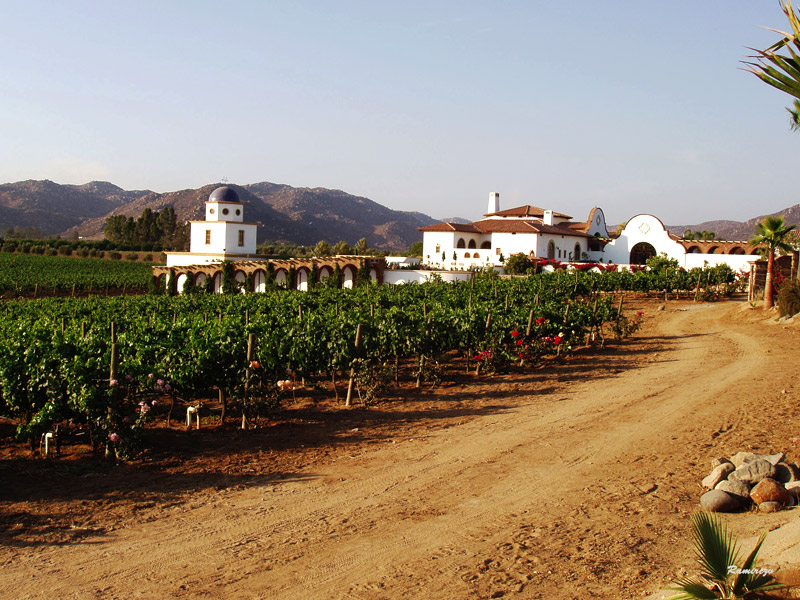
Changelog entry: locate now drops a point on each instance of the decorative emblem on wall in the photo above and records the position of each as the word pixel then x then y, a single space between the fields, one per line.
pixel 644 228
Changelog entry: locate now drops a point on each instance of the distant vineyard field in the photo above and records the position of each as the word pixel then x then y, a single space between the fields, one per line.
pixel 26 273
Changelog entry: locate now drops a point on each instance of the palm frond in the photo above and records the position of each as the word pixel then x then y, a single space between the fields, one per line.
pixel 691 589
pixel 714 547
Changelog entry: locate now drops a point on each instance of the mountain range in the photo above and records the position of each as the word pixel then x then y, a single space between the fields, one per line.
pixel 285 214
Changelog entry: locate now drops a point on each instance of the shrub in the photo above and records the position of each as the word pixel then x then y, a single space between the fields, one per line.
pixel 64 250
pixel 50 251
pixel 789 298
pixel 132 256
pixel 147 258
pixel 10 247
pixel 114 255
pixel 517 264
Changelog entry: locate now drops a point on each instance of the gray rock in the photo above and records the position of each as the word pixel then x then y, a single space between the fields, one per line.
pixel 753 472
pixel 740 458
pixel 719 473
pixel 737 488
pixel 786 472
pixel 770 506
pixel 719 501
pixel 719 461
pixel 793 487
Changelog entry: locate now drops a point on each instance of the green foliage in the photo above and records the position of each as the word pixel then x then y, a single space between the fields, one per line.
pixel 415 249
pixel 723 575
pixel 662 262
pixel 518 264
pixel 21 273
pixel 781 71
pixel 789 298
pixel 229 283
pixel 151 228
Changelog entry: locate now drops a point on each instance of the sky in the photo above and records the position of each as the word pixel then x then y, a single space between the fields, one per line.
pixel 636 107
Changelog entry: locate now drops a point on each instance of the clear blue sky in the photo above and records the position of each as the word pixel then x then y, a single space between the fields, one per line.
pixel 633 106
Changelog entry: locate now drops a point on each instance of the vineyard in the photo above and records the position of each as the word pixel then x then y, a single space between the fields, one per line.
pixel 32 273
pixel 111 364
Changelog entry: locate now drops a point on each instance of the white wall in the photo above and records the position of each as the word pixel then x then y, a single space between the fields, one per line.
pixel 391 277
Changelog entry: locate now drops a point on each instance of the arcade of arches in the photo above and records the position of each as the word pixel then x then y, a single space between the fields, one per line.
pixel 299 269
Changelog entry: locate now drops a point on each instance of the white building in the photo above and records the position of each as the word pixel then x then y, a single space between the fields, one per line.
pixel 224 235
pixel 540 233
pixel 533 231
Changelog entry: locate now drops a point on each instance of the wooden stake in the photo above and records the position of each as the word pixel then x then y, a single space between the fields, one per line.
pixel 349 398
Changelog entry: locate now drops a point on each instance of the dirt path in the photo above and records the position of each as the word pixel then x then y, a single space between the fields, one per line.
pixel 578 489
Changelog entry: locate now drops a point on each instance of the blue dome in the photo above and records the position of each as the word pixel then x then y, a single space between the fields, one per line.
pixel 224 194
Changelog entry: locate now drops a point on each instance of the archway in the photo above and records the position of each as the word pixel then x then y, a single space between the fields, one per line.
pixel 641 252
pixel 302 280
pixel 486 245
pixel 260 281
pixel 693 250
pixel 551 250
pixel 736 250
pixel 241 279
pixel 461 243
pixel 576 255
pixel 472 244
pixel 280 277
pixel 348 277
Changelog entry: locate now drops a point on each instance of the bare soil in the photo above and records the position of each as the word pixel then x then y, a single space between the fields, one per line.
pixel 575 480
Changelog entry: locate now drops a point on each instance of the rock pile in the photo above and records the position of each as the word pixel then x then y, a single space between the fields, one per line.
pixel 765 480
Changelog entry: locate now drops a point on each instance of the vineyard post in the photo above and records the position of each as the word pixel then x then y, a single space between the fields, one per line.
pixel 73 290
pixel 506 301
pixel 352 368
pixel 594 319
pixel 527 334
pixel 35 290
pixel 112 376
pixel 250 349
pixel 83 329
pixel 697 289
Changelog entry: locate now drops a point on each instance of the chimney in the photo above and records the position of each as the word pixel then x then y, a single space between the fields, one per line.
pixel 547 218
pixel 494 203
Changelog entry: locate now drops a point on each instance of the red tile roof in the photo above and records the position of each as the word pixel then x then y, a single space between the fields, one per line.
pixel 525 211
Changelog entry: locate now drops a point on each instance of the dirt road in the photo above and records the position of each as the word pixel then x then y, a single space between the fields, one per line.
pixel 568 486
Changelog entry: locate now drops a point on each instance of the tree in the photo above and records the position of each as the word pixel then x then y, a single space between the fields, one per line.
pixel 518 264
pixel 361 247
pixel 781 71
pixel 415 249
pixel 342 248
pixel 322 248
pixel 772 233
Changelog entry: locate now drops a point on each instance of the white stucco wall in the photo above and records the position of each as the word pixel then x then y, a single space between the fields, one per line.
pixel 391 277
pixel 649 229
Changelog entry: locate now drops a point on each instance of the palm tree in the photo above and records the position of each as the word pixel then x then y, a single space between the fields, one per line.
pixel 782 72
pixel 723 575
pixel 771 232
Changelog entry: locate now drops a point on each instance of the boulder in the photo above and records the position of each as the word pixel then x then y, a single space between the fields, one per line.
pixel 769 490
pixel 741 458
pixel 719 501
pixel 793 487
pixel 769 506
pixel 737 488
pixel 753 472
pixel 786 472
pixel 719 473
pixel 719 461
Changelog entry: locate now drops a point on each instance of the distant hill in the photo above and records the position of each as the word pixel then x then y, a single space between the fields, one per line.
pixel 286 214
pixel 53 208
pixel 738 230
